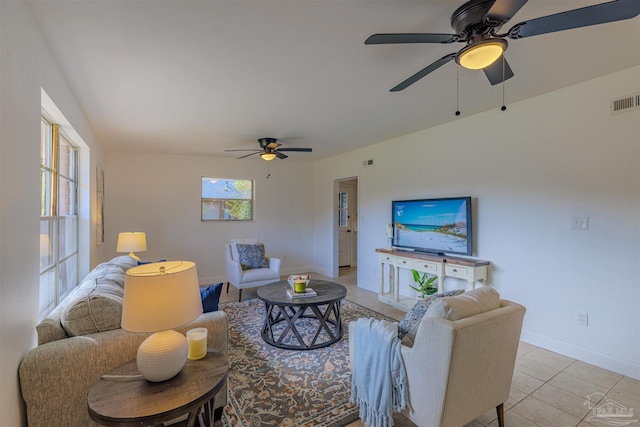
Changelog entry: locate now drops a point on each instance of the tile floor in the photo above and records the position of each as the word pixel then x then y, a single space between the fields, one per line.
pixel 548 389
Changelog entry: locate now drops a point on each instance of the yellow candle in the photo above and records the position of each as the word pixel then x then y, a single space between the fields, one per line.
pixel 197 340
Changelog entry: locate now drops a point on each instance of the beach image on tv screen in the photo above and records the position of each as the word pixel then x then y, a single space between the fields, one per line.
pixel 434 225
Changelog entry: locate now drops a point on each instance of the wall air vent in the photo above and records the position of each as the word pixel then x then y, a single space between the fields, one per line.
pixel 624 104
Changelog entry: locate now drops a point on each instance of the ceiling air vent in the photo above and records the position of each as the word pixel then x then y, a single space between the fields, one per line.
pixel 624 104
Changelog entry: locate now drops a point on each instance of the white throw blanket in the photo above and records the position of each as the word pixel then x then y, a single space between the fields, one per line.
pixel 378 376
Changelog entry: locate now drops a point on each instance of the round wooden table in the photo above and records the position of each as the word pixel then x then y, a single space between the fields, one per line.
pixel 322 309
pixel 123 398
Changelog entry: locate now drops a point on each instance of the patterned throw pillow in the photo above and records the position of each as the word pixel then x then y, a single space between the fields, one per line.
pixel 251 256
pixel 410 321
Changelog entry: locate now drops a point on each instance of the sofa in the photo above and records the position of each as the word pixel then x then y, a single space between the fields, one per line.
pixel 81 340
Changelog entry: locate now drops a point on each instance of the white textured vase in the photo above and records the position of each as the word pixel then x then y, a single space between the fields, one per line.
pixel 162 355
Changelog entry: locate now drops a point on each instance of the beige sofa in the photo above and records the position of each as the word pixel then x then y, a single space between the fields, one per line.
pixel 460 363
pixel 82 340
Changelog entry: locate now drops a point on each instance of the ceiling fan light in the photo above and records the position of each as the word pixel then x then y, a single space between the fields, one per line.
pixel 481 54
pixel 268 156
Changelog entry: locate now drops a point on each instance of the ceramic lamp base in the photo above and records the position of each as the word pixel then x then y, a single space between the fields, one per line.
pixel 162 355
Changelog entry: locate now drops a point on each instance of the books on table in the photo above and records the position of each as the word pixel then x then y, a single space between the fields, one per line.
pixel 308 293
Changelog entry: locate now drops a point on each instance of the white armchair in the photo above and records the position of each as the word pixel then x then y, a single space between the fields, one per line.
pixel 250 278
pixel 459 369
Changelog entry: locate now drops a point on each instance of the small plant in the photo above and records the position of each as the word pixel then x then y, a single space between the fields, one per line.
pixel 425 283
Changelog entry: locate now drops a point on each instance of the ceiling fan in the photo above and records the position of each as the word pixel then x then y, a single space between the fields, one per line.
pixel 269 149
pixel 476 24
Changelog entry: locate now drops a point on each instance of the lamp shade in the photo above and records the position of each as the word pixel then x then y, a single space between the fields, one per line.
pixel 132 241
pixel 160 296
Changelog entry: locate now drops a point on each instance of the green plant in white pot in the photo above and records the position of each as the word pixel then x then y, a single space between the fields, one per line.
pixel 425 284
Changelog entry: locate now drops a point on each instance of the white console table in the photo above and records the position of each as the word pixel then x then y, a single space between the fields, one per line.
pixel 474 271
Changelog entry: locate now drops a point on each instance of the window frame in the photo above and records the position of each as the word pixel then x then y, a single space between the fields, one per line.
pixel 224 213
pixel 59 242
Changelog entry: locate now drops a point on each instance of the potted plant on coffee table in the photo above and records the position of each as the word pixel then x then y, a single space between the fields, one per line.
pixel 425 284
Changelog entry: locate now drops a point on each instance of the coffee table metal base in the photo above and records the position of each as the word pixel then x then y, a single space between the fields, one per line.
pixel 328 321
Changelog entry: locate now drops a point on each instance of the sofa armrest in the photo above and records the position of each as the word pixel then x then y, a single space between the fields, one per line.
pixel 55 377
pixel 274 264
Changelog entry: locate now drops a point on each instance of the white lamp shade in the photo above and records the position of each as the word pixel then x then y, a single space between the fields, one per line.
pixel 160 296
pixel 132 241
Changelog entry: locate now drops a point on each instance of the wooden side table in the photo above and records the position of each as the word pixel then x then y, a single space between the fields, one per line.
pixel 121 398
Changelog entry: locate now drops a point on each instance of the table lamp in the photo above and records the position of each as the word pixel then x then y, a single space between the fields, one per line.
pixel 157 297
pixel 132 241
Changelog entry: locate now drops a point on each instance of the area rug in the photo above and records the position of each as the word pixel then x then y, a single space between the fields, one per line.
pixel 269 386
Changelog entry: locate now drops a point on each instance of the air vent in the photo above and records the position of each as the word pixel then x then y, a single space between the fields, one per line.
pixel 624 104
pixel 367 162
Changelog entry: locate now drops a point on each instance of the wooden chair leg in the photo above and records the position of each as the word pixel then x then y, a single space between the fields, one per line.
pixel 227 287
pixel 500 411
pixel 239 295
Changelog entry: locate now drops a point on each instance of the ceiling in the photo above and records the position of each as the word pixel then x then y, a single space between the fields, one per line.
pixel 198 77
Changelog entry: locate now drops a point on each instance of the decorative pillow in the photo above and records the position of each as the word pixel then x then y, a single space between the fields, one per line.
pixel 251 256
pixel 234 246
pixel 410 321
pixel 471 303
pixel 210 297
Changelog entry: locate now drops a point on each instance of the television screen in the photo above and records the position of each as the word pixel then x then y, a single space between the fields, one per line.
pixel 441 226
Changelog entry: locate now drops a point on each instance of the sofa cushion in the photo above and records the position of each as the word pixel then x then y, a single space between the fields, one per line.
pixel 251 256
pixel 468 304
pixel 410 321
pixel 95 307
pixel 210 297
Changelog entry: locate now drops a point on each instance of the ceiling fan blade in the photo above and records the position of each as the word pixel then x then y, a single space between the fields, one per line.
pixel 420 74
pixel 246 149
pixel 247 155
pixel 494 72
pixel 273 145
pixel 591 15
pixel 411 38
pixel 280 155
pixel 503 10
pixel 306 150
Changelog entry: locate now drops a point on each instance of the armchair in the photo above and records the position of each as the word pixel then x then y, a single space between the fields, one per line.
pixel 462 359
pixel 249 278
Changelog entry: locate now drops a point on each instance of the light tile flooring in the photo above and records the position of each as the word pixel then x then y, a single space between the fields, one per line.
pixel 548 389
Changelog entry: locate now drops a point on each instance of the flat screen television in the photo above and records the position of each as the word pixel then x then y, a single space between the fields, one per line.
pixel 439 226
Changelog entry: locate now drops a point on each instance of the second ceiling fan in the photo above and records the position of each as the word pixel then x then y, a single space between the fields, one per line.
pixel 476 24
pixel 269 149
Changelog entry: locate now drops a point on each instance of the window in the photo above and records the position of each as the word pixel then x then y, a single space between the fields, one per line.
pixel 225 199
pixel 343 209
pixel 58 216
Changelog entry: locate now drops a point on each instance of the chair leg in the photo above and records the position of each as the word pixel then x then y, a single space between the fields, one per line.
pixel 239 295
pixel 500 411
pixel 227 287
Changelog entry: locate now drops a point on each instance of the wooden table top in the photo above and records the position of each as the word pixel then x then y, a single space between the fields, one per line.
pixel 136 401
pixel 276 293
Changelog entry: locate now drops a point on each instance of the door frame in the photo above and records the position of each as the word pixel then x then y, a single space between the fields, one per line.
pixel 335 222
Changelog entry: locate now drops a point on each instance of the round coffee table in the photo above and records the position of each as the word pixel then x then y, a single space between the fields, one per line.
pixel 321 313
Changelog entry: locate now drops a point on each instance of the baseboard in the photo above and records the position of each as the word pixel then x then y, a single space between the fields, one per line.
pixel 623 367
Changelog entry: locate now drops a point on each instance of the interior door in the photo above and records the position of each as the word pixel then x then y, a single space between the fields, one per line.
pixel 347 223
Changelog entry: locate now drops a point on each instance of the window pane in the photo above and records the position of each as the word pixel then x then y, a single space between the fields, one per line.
pixel 67 161
pixel 222 188
pixel 47 293
pixel 67 276
pixel 66 197
pixel 239 210
pixel 46 246
pixel 68 232
pixel 212 210
pixel 45 193
pixel 226 199
pixel 45 144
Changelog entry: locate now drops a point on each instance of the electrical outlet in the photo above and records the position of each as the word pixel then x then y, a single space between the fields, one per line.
pixel 582 319
pixel 580 223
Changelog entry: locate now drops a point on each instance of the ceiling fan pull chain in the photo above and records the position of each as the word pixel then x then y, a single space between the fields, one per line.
pixel 457 90
pixel 504 107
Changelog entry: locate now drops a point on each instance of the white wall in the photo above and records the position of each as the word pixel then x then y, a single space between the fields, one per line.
pixel 530 169
pixel 26 67
pixel 160 195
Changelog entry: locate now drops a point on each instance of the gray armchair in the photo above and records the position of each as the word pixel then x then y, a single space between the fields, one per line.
pixel 249 278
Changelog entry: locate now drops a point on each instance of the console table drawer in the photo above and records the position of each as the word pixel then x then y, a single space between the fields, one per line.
pixel 427 267
pixel 456 271
pixel 388 259
pixel 403 262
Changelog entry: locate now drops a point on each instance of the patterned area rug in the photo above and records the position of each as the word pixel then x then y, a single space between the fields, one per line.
pixel 269 386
